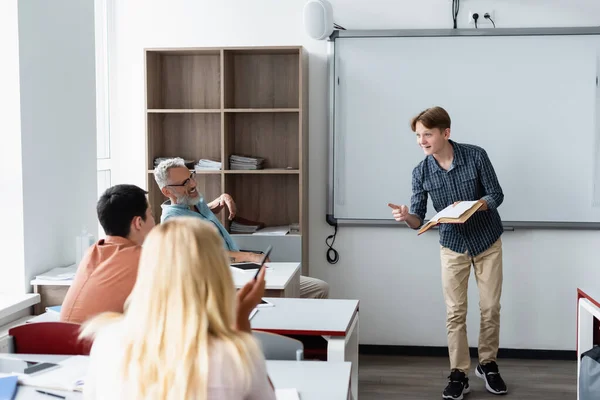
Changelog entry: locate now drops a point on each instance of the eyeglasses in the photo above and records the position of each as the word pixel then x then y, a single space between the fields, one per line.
pixel 187 181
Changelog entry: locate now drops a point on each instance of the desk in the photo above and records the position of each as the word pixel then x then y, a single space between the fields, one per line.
pixel 588 313
pixel 334 320
pixel 313 380
pixel 283 280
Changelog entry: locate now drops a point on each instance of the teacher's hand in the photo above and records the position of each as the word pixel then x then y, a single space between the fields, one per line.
pixel 400 213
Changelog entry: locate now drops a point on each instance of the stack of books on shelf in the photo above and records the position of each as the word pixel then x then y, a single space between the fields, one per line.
pixel 207 165
pixel 242 225
pixel 188 163
pixel 295 228
pixel 245 162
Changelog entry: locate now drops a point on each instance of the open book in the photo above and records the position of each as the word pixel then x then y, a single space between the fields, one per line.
pixel 453 214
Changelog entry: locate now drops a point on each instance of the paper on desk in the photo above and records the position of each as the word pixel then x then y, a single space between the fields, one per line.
pixel 69 376
pixel 454 211
pixel 59 274
pixel 273 231
pixel 287 394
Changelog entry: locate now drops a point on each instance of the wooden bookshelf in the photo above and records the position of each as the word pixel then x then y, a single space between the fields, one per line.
pixel 215 102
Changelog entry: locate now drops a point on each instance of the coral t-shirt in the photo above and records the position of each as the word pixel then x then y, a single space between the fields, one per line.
pixel 104 279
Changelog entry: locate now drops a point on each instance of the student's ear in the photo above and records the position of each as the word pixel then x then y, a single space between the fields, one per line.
pixel 447 133
pixel 136 223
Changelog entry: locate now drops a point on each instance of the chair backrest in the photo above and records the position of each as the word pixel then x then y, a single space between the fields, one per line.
pixel 49 338
pixel 279 347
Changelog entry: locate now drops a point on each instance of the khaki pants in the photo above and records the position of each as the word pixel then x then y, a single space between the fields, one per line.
pixel 456 268
pixel 313 288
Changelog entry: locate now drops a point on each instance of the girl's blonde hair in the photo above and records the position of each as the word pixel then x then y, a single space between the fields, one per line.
pixel 183 299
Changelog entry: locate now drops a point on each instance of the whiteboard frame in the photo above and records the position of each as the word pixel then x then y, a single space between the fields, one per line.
pixel 488 32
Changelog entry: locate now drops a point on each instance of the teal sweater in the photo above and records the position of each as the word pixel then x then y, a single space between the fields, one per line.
pixel 181 210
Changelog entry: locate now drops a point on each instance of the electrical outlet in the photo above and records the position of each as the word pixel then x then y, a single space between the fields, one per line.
pixel 481 21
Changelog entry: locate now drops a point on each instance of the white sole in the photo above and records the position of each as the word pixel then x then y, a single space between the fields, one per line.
pixel 465 391
pixel 489 389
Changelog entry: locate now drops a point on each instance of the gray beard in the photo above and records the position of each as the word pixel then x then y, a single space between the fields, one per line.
pixel 187 200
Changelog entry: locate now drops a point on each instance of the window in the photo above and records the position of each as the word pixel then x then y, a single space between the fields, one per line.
pixel 103 39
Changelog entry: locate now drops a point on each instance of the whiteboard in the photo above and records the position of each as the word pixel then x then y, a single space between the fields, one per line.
pixel 530 101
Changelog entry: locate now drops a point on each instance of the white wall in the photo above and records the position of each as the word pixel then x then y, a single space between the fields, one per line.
pixel 58 128
pixel 393 273
pixel 11 174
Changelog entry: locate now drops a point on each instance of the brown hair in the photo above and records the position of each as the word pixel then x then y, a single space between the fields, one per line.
pixel 434 117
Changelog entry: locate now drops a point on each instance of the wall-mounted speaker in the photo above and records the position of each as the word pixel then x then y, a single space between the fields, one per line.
pixel 318 19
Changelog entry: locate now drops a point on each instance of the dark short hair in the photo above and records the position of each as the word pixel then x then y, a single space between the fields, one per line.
pixel 117 207
pixel 434 117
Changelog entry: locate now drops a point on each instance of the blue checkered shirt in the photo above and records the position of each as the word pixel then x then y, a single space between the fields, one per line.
pixel 470 177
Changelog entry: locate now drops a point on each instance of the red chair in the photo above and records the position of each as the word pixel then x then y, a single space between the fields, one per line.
pixel 49 338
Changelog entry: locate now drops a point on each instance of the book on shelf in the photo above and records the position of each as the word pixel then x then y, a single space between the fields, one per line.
pixel 242 225
pixel 238 162
pixel 207 165
pixel 453 214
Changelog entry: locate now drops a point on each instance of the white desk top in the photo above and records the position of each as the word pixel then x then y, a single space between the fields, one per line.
pixel 10 304
pixel 306 316
pixel 314 380
pixel 278 276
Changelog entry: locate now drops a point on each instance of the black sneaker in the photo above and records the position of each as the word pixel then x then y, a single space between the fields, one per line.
pixel 493 381
pixel 458 384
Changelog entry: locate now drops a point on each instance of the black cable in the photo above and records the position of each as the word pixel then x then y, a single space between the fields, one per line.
pixel 455 8
pixel 487 16
pixel 476 24
pixel 332 259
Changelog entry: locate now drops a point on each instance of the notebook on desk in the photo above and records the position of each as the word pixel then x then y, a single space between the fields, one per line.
pixel 69 375
pixel 8 387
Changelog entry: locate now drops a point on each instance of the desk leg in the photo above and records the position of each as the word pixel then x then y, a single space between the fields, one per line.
pixel 292 290
pixel 586 311
pixel 37 308
pixel 340 348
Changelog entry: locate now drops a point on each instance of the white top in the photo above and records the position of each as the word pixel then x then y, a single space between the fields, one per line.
pixel 104 380
pixel 278 275
pixel 301 316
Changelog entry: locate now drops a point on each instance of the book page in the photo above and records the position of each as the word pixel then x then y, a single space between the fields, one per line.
pixel 287 394
pixel 453 211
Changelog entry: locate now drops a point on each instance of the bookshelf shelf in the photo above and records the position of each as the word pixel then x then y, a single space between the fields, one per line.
pixel 262 110
pixel 184 111
pixel 264 171
pixel 211 103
